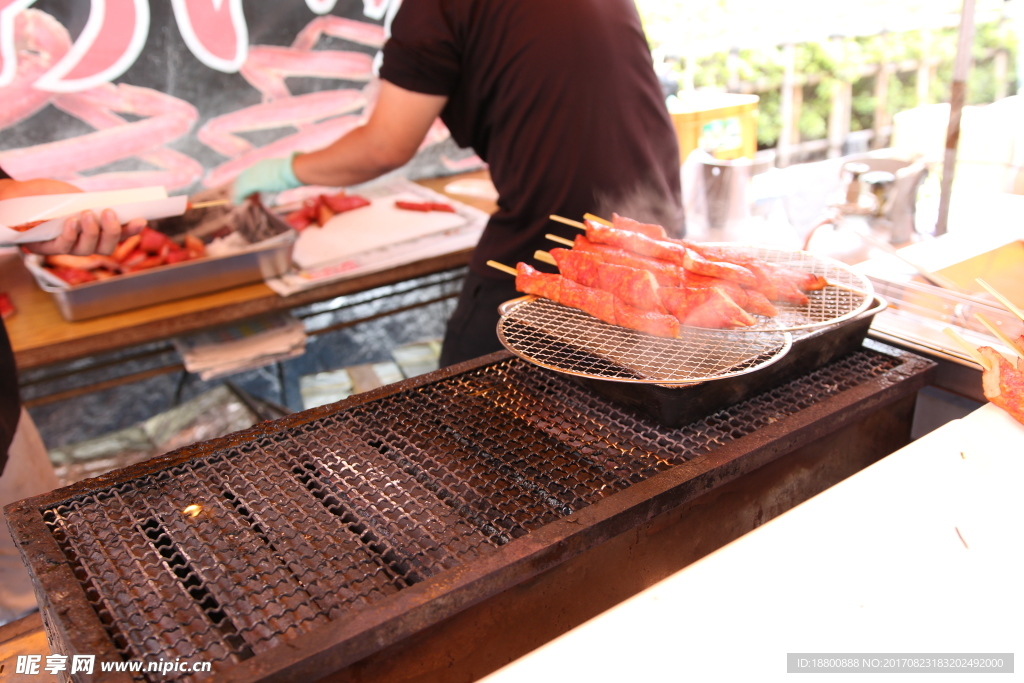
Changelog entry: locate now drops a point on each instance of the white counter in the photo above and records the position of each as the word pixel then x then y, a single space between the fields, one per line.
pixel 875 564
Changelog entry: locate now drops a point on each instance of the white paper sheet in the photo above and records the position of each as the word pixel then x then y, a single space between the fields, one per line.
pixel 148 202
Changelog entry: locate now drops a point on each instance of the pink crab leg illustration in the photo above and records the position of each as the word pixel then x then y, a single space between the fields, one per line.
pixel 360 32
pixel 219 133
pixel 311 137
pixel 40 41
pixel 174 169
pixel 110 42
pixel 64 157
pixel 268 66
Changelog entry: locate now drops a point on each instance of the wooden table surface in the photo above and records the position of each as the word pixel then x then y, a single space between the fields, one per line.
pixel 40 336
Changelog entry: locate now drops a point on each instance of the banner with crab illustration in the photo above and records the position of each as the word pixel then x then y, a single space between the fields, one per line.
pixel 111 94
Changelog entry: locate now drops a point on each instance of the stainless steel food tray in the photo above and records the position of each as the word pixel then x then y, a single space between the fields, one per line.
pixel 568 340
pixel 268 255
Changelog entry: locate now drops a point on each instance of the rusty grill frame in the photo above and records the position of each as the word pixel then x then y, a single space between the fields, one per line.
pixel 654 469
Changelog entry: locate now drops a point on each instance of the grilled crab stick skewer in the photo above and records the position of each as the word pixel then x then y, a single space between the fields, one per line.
pixel 705 305
pixel 776 282
pixel 598 303
pixel 670 275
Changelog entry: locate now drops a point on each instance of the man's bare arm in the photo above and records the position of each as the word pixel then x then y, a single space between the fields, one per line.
pixel 388 140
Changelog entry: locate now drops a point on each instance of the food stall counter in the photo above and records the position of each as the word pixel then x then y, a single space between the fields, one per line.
pixel 40 336
pixel 920 553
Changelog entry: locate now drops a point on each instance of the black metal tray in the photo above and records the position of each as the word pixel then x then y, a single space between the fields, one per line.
pixel 675 406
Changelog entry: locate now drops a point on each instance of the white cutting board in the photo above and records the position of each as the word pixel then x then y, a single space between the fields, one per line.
pixel 367 228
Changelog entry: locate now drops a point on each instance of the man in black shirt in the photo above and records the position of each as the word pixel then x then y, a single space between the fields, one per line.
pixel 25 469
pixel 560 98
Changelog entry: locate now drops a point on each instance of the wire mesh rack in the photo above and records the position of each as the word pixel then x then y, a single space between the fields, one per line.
pixel 568 340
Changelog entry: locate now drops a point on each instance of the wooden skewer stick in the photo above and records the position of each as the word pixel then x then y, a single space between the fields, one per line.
pixel 502 267
pixel 206 205
pixel 560 240
pixel 1002 299
pixel 545 257
pixel 968 348
pixel 597 219
pixel 567 221
pixel 1000 335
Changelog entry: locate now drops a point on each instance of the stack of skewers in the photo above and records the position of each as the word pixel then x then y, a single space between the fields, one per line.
pixel 633 275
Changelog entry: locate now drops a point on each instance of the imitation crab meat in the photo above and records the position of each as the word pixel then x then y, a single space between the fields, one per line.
pixel 320 209
pixel 148 249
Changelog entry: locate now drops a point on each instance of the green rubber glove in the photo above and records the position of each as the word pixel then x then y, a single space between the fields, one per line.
pixel 269 175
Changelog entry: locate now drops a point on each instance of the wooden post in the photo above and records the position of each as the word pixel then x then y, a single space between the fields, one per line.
pixel 786 105
pixel 924 69
pixel 842 98
pixel 689 69
pixel 956 105
pixel 732 67
pixel 798 105
pixel 881 105
pixel 1000 73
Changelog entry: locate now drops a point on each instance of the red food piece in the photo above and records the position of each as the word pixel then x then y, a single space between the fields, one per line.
pixel 342 202
pixel 598 303
pixel 634 286
pixel 578 266
pixel 90 262
pixel 104 274
pixel 667 274
pixel 441 206
pixel 145 264
pixel 635 242
pixel 298 220
pixel 73 276
pixel 649 229
pixel 529 280
pixel 310 208
pixel 719 311
pixel 133 259
pixel 323 212
pixel 413 206
pixel 126 247
pixel 152 241
pixel 177 256
pixel 6 306
pixel 24 227
pixel 195 246
pixel 1003 384
pixel 758 304
pixel 695 263
pixel 651 322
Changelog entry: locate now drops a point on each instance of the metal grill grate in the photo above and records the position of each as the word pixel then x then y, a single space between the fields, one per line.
pixel 568 340
pixel 315 524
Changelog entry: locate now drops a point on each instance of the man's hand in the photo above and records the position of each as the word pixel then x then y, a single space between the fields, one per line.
pixel 269 175
pixel 83 234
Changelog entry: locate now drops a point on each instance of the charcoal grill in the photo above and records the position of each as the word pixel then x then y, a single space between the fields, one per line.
pixel 301 546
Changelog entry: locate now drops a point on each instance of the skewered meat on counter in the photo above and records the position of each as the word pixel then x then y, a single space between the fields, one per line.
pixel 699 302
pixel 599 303
pixel 774 282
pixel 1002 383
